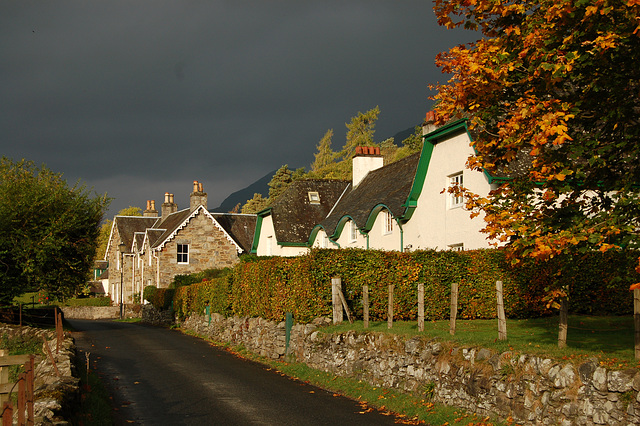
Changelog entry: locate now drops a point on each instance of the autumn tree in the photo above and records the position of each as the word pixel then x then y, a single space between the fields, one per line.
pixel 553 95
pixel 48 231
pixel 552 90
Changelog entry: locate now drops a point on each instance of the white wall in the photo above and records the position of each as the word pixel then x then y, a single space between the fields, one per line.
pixel 380 239
pixel 435 225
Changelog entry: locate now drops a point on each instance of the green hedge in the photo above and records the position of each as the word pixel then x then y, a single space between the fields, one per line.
pixel 160 298
pixel 598 284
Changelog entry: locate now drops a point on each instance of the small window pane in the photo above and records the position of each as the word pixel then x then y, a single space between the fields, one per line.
pixel 183 253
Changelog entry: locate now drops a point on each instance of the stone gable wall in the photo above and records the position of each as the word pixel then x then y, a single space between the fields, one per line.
pixel 532 390
pixel 208 248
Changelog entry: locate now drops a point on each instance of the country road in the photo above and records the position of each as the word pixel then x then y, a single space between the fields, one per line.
pixel 163 377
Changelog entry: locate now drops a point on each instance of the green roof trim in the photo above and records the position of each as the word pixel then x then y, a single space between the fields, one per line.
pixel 256 235
pixel 418 181
pixel 373 216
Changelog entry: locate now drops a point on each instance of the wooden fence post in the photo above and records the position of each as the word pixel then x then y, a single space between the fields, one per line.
pixel 390 309
pixel 502 320
pixel 453 308
pixel 564 317
pixel 421 307
pixel 7 414
pixel 336 286
pixel 4 379
pixel 636 320
pixel 30 367
pixel 365 305
pixel 22 389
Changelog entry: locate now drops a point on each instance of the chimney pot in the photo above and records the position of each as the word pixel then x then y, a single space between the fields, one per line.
pixel 200 189
pixel 195 186
pixel 171 198
pixel 153 204
pixel 166 197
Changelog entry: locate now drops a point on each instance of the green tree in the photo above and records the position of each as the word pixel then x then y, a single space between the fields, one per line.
pixel 48 231
pixel 280 182
pixel 105 229
pixel 324 157
pixel 255 204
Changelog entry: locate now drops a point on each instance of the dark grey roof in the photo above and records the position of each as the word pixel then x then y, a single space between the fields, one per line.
pixel 240 227
pixel 128 225
pixel 170 224
pixel 294 216
pixel 389 186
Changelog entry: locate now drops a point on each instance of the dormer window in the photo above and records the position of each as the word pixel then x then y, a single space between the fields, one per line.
pixel 314 197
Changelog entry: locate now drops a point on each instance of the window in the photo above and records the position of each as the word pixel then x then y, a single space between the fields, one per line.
pixel 269 245
pixel 455 200
pixel 324 242
pixel 183 253
pixel 353 234
pixel 314 197
pixel 388 223
pixel 456 247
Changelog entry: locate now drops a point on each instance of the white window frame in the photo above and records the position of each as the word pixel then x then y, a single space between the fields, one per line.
pixel 456 179
pixel 353 232
pixel 182 255
pixel 456 247
pixel 269 245
pixel 388 223
pixel 324 241
pixel 314 197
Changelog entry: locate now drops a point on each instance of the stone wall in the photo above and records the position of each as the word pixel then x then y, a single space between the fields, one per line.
pixel 101 312
pixel 55 395
pixel 532 390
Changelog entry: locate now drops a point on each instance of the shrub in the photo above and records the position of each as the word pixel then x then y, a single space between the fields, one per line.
pixel 160 298
pixel 269 287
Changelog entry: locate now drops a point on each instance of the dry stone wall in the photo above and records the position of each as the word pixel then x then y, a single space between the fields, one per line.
pixel 530 389
pixel 55 392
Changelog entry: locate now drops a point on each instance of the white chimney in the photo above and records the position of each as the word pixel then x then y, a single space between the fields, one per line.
pixel 367 159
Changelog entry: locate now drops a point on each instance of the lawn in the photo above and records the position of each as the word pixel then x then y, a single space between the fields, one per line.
pixel 610 339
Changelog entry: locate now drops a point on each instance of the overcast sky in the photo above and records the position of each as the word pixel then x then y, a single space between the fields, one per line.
pixel 138 98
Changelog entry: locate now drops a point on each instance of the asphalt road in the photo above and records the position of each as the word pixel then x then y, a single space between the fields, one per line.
pixel 163 377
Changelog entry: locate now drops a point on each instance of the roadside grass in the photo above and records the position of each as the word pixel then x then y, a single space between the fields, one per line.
pixel 407 408
pixel 95 404
pixel 609 339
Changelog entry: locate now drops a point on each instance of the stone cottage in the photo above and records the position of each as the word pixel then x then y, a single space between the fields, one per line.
pixel 152 249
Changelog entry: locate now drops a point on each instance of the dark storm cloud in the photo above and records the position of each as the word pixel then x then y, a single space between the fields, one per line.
pixel 136 98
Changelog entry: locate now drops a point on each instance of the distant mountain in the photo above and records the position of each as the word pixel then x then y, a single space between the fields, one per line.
pixel 400 136
pixel 261 186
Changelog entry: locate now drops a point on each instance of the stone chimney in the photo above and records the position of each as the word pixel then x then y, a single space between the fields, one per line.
pixel 151 209
pixel 168 206
pixel 429 124
pixel 367 159
pixel 198 196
